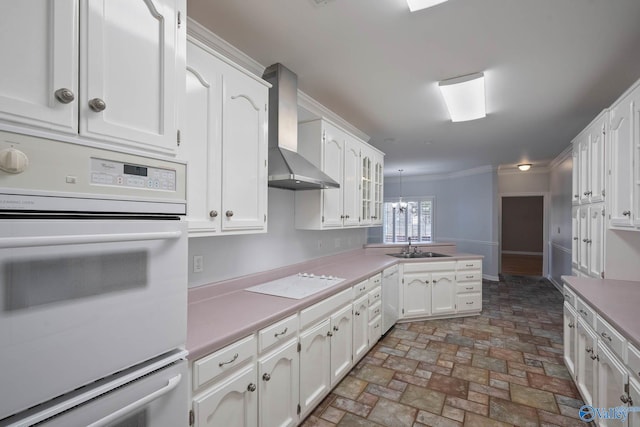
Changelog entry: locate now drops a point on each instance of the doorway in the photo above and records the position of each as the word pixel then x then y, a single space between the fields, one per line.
pixel 522 232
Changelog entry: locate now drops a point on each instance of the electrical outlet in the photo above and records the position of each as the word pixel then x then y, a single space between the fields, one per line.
pixel 198 263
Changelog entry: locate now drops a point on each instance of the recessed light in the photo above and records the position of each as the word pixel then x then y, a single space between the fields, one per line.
pixel 524 166
pixel 464 97
pixel 415 5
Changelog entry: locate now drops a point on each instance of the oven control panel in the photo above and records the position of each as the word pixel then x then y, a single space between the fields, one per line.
pixel 109 172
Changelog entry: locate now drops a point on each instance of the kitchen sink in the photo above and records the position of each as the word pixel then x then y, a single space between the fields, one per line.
pixel 419 255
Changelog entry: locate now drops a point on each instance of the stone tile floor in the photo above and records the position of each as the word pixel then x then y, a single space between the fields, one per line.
pixel 501 368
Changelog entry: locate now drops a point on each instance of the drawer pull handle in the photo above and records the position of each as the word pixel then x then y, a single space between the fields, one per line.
pixel 571 325
pixel 277 334
pixel 588 349
pixel 584 313
pixel 335 328
pixel 329 334
pixel 626 213
pixel 594 357
pixel 469 277
pixel 469 265
pixel 221 364
pixel 357 313
pixel 251 387
pixel 469 289
pixel 470 303
pixel 626 399
pixel 266 377
pixel 604 335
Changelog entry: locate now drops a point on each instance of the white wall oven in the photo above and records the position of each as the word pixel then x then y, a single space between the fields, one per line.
pixel 93 286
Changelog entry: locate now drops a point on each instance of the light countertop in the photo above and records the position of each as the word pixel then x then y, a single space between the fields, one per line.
pixel 617 301
pixel 221 313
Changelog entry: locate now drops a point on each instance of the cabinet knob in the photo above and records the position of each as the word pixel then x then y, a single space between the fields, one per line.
pixel 341 216
pixel 571 325
pixel 97 105
pixel 576 238
pixel 229 214
pixel 213 214
pixel 251 387
pixel 335 328
pixel 329 334
pixel 357 313
pixel 626 399
pixel 588 349
pixel 266 377
pixel 626 213
pixel 575 196
pixel 594 356
pixel 605 336
pixel 64 95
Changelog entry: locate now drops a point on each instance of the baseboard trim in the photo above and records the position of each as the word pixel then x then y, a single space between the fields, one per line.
pixel 490 278
pixel 557 285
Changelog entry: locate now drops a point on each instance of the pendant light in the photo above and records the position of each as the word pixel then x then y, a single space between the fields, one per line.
pixel 400 205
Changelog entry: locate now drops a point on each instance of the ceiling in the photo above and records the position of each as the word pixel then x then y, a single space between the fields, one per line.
pixel 550 67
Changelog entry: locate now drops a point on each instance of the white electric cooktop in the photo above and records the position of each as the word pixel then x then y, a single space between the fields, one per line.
pixel 297 286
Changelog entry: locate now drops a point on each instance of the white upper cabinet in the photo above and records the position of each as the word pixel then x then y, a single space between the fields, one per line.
pixel 115 67
pixel 224 142
pixel 378 188
pixel 597 138
pixel 39 47
pixel 350 162
pixel 623 146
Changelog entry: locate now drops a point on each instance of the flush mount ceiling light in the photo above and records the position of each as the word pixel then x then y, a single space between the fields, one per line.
pixel 524 166
pixel 464 97
pixel 415 5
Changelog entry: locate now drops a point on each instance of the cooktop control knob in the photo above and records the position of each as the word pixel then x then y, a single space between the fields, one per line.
pixel 13 161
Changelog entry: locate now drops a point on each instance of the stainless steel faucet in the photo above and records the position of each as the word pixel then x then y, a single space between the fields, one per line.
pixel 409 246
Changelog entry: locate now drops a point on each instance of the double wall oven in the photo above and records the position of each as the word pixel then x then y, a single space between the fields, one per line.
pixel 93 286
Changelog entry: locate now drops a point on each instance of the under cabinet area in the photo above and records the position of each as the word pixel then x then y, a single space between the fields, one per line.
pixel 354 164
pixel 225 143
pixel 89 74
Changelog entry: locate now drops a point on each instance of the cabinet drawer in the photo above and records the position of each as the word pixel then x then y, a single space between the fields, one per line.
pixel 222 361
pixel 323 308
pixel 375 310
pixel 469 276
pixel 375 295
pixel 569 296
pixel 633 361
pixel 470 264
pixel 469 302
pixel 278 332
pixel 375 333
pixel 608 335
pixel 463 288
pixel 415 267
pixel 586 313
pixel 360 289
pixel 374 281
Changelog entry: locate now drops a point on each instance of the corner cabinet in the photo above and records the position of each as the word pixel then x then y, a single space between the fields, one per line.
pixel 110 72
pixel 225 142
pixel 350 162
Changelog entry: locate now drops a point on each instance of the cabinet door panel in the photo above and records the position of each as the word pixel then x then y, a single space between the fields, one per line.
pixel 416 295
pixel 584 238
pixel 341 344
pixel 575 173
pixel 201 140
pixel 570 321
pixel 244 168
pixel 612 377
pixel 575 232
pixel 634 393
pixel 278 393
pixel 596 165
pixel 315 369
pixel 333 162
pixel 378 193
pixel 596 240
pixel 587 366
pixel 584 160
pixel 39 47
pixel 360 322
pixel 231 403
pixel 443 293
pixel 129 62
pixel 621 164
pixel 351 182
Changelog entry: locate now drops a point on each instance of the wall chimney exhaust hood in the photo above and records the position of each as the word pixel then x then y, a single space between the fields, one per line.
pixel 287 168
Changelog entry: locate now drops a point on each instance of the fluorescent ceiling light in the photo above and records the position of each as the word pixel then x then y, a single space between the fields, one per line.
pixel 415 5
pixel 464 97
pixel 524 166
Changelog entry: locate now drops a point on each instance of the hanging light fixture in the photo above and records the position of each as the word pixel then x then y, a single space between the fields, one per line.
pixel 400 205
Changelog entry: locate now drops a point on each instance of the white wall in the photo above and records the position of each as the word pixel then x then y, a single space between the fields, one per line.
pixel 233 256
pixel 465 210
pixel 622 254
pixel 532 181
pixel 560 236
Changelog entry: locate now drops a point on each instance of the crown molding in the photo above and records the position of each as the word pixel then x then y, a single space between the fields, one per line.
pixel 317 109
pixel 533 171
pixel 560 158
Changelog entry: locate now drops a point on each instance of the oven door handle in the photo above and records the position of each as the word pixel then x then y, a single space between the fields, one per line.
pixel 27 242
pixel 134 406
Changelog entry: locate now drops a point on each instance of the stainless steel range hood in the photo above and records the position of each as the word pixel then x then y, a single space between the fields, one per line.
pixel 287 168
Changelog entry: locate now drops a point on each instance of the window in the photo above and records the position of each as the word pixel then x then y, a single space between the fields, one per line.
pixel 415 221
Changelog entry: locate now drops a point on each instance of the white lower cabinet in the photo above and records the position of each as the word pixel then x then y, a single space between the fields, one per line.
pixel 315 366
pixel 443 293
pixel 569 327
pixel 612 378
pixel 587 364
pixel 416 295
pixel 634 394
pixel 341 343
pixel 360 325
pixel 230 402
pixel 278 376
